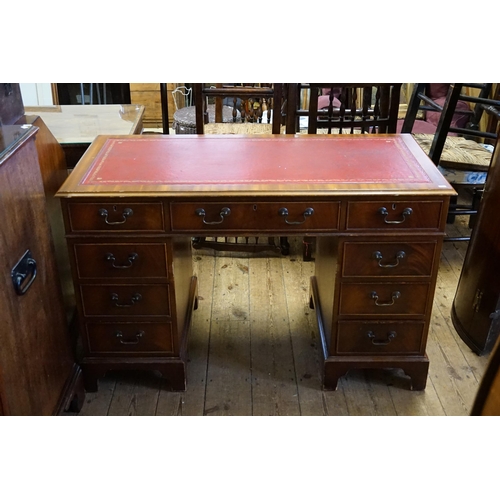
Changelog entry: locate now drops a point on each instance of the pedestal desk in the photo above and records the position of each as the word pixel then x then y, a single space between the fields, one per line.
pixel 376 204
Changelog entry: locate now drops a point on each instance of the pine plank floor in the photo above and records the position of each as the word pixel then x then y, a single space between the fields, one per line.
pixel 254 350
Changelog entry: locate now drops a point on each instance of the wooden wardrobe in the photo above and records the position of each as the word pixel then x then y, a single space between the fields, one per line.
pixel 38 373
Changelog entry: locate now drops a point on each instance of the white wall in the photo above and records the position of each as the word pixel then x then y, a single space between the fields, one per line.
pixel 36 94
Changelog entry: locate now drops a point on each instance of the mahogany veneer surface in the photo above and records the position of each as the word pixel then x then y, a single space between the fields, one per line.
pixel 375 197
pixel 179 164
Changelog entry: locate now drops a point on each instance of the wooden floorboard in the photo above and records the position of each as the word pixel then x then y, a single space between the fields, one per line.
pixel 254 350
pixel 274 383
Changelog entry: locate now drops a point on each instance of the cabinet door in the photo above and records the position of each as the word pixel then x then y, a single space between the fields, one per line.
pixel 35 356
pixel 478 289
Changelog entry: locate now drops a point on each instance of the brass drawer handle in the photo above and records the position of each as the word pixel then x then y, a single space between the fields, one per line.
pixel 131 258
pixel 138 335
pixel 127 212
pixel 394 296
pixel 223 213
pixel 390 336
pixel 307 213
pixel 406 212
pixel 378 256
pixel 135 298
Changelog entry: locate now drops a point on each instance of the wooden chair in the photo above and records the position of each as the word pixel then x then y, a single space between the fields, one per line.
pixel 250 104
pixel 164 108
pixel 454 147
pixel 256 109
pixel 342 108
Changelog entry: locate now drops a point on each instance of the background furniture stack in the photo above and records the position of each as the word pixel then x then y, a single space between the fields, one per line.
pixel 343 107
pixel 453 120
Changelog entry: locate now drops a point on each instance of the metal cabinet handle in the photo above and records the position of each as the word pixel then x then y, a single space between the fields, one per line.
pixel 394 296
pixel 307 213
pixel 378 256
pixel 135 298
pixel 138 335
pixel 25 267
pixel 223 213
pixel 127 212
pixel 131 258
pixel 406 212
pixel 390 336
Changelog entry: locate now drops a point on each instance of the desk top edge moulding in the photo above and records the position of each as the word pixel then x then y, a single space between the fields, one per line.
pixel 224 165
pixel 376 204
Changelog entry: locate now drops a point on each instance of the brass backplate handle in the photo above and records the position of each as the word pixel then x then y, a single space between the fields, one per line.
pixel 131 259
pixel 390 336
pixel 138 335
pixel 398 257
pixel 225 212
pixel 406 213
pixel 127 212
pixel 136 297
pixel 307 213
pixel 394 296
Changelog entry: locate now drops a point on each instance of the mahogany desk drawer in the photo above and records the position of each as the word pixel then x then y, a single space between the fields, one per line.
pixel 394 215
pixel 121 260
pixel 380 299
pixel 130 338
pixel 125 300
pixel 116 216
pixel 388 259
pixel 258 216
pixel 363 337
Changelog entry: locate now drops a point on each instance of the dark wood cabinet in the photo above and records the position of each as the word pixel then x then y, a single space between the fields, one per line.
pixel 478 291
pixel 37 368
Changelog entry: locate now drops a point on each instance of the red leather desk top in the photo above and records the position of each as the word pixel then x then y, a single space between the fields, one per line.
pixel 229 162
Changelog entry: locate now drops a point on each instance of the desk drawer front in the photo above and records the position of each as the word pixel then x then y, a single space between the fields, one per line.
pixel 130 338
pixel 383 299
pixel 121 261
pixel 394 215
pixel 388 259
pixel 259 216
pixel 360 337
pixel 109 216
pixel 125 300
